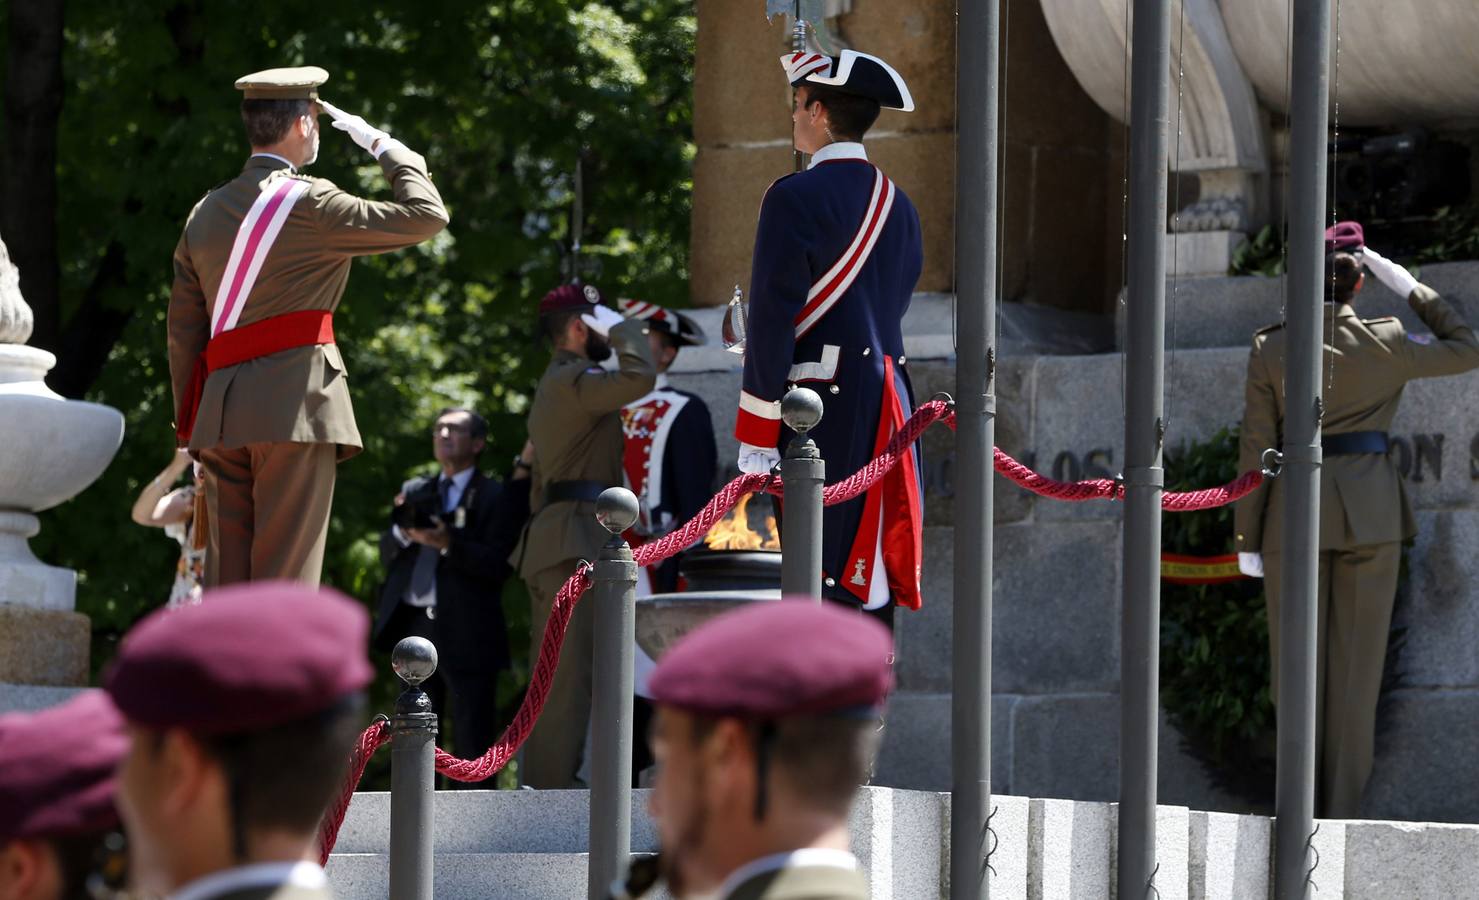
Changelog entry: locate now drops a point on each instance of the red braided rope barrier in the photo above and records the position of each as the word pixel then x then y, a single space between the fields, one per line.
pixel 373 738
pixel 540 680
pixel 856 484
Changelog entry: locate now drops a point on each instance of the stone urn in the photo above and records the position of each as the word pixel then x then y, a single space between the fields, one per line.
pixel 51 449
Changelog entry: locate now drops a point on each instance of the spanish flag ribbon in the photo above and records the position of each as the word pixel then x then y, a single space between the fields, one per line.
pixel 1178 569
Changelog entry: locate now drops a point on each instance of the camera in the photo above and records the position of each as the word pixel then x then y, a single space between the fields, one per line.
pixel 420 508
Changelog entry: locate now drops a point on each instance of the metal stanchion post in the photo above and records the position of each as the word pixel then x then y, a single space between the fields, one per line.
pixel 978 139
pixel 803 472
pixel 413 733
pixel 1294 791
pixel 614 592
pixel 1144 434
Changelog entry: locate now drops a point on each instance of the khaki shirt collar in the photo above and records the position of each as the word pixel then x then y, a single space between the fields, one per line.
pixel 564 356
pixel 1340 310
pixel 269 161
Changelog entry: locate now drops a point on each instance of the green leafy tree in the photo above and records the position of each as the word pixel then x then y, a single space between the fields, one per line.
pixel 502 98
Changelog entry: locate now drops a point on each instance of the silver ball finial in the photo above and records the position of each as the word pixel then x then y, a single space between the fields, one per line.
pixel 616 509
pixel 414 660
pixel 801 409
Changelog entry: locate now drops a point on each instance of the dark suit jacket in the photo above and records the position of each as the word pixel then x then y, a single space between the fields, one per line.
pixel 471 635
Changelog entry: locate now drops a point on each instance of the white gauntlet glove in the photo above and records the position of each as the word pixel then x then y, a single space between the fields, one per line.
pixel 601 319
pixel 1251 564
pixel 757 460
pixel 1389 273
pixel 361 132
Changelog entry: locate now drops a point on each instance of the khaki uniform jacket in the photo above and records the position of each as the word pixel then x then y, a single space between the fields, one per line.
pixel 575 426
pixel 803 883
pixel 302 394
pixel 1362 499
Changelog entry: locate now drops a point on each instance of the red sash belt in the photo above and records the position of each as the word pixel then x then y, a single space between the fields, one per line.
pixel 248 342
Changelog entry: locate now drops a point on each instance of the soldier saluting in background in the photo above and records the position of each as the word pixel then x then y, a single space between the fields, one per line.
pixel 1364 513
pixel 575 427
pixel 261 394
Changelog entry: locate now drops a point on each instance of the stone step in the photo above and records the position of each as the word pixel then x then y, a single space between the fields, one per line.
pixel 897 836
pixel 484 822
pixel 1041 848
pixel 470 876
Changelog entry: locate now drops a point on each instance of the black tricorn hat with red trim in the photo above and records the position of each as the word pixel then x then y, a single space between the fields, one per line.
pixel 852 73
pixel 669 321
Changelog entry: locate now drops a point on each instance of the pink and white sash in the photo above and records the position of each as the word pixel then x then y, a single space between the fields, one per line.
pixel 254 238
pixel 829 289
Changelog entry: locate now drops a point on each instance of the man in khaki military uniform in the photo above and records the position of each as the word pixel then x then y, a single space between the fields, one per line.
pixel 1364 513
pixel 261 394
pixel 575 426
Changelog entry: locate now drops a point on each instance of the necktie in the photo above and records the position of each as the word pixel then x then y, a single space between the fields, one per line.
pixel 423 589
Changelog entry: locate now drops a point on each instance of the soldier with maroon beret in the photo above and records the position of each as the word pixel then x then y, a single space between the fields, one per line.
pixel 767 724
pixel 58 775
pixel 1364 512
pixel 575 427
pixel 242 713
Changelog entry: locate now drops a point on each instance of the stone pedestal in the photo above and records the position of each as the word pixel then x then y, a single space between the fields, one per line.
pixel 43 647
pixel 26 580
pixel 51 449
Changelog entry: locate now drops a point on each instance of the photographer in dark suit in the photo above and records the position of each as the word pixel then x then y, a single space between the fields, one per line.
pixel 446 558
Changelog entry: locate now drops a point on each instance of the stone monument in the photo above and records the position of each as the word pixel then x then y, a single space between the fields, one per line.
pixel 50 449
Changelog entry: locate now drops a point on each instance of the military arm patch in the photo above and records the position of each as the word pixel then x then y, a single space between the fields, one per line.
pixel 1424 339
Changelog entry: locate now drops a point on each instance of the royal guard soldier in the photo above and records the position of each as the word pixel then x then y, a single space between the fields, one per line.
pixel 260 389
pixel 837 256
pixel 1364 513
pixel 669 463
pixel 767 725
pixel 575 427
pixel 670 457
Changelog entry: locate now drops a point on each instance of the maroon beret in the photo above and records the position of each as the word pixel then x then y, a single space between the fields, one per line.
pixel 248 657
pixel 59 769
pixel 771 660
pixel 1345 237
pixel 570 296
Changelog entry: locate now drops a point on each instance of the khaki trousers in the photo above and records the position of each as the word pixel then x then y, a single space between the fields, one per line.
pixel 1357 589
pixel 269 511
pixel 553 752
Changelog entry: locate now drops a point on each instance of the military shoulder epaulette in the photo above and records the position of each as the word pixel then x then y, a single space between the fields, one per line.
pixel 780 179
pixel 1382 320
pixel 1268 329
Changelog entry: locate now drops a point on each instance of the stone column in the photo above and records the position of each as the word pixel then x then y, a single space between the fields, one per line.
pixel 50 449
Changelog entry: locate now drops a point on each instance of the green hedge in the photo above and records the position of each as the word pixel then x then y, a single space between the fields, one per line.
pixel 1214 637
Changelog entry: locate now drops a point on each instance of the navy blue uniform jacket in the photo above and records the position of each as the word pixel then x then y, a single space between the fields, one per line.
pixel 837 256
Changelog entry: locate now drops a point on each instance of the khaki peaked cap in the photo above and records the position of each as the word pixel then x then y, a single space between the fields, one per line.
pixel 298 83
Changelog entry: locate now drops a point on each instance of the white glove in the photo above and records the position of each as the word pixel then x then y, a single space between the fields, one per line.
pixel 757 460
pixel 601 319
pixel 1389 273
pixel 361 132
pixel 1251 564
